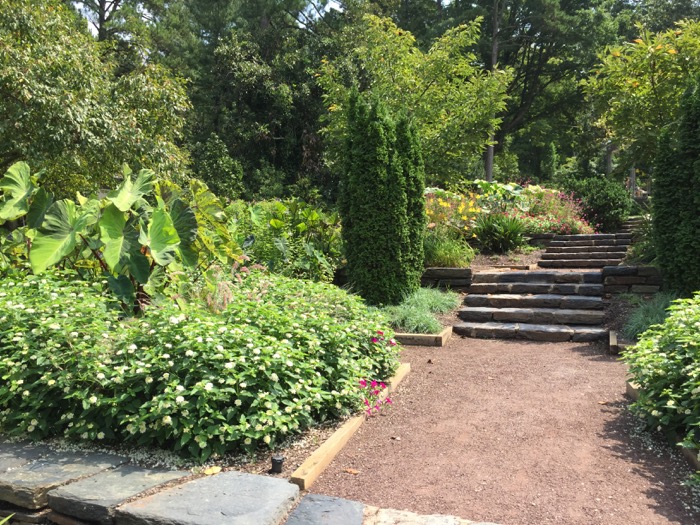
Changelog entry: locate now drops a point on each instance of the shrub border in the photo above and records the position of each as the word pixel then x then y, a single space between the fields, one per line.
pixel 691 454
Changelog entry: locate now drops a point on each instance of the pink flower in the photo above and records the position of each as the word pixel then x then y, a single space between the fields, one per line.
pixel 375 340
pixel 373 384
pixel 383 385
pixel 388 400
pixel 392 342
pixel 363 383
pixel 380 332
pixel 366 402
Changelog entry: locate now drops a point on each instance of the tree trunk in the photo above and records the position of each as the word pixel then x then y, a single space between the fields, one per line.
pixel 488 164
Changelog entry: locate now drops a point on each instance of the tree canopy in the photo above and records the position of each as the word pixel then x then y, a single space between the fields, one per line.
pixel 64 109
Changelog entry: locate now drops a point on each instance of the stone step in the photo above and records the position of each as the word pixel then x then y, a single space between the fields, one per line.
pixel 95 498
pixel 588 249
pixel 571 302
pixel 531 315
pixel 579 263
pixel 539 276
pixel 532 332
pixel 28 485
pixel 592 237
pixel 600 242
pixel 537 288
pixel 228 497
pixel 583 255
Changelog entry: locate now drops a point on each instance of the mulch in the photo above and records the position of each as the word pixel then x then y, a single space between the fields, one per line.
pixel 514 433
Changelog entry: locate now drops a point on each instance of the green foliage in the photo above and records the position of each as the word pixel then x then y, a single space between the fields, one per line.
pixel 383 177
pixel 64 108
pixel 415 314
pixel 676 220
pixel 213 164
pixel 499 233
pixel 290 237
pixel 638 86
pixel 643 250
pixel 497 197
pixel 606 203
pixel 647 312
pixel 433 87
pixel 665 365
pixel 140 248
pixel 283 355
pixel 446 248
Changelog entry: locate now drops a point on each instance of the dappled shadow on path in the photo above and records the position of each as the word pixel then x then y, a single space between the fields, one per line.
pixel 652 457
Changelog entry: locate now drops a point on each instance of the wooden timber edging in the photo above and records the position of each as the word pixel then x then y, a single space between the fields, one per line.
pixel 632 390
pixel 318 461
pixel 425 339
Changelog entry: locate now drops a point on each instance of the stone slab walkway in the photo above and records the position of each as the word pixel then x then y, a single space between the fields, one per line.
pixel 38 486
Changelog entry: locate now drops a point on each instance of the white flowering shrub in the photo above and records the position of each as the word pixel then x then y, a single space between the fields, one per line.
pixel 283 355
pixel 666 366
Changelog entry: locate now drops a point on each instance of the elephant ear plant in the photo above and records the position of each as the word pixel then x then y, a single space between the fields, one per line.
pixel 143 237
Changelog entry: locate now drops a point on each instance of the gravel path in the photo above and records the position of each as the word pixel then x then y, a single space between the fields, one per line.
pixel 514 433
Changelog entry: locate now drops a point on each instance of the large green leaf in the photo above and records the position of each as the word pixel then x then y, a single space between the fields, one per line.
pixel 185 224
pixel 58 234
pixel 128 193
pixel 111 226
pixel 18 188
pixel 37 211
pixel 122 288
pixel 161 237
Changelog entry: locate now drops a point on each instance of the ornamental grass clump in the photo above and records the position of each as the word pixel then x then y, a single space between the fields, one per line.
pixel 665 363
pixel 282 356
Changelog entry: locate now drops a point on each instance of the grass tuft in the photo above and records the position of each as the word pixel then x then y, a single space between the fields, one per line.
pixel 416 314
pixel 648 312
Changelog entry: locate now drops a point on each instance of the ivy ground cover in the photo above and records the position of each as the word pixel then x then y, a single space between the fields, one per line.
pixel 282 355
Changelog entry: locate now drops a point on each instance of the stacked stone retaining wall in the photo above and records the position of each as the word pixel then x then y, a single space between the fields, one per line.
pixel 631 279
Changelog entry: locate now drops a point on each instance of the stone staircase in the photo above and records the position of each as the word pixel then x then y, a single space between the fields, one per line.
pixel 632 224
pixel 586 251
pixel 540 305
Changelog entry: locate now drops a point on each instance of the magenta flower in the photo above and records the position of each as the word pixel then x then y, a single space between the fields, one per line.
pixel 383 385
pixel 373 384
pixel 363 383
pixel 388 401
pixel 380 332
pixel 375 340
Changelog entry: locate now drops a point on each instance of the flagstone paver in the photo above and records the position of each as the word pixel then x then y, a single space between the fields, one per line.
pixel 233 498
pixel 316 509
pixel 28 485
pixel 94 498
pixel 80 488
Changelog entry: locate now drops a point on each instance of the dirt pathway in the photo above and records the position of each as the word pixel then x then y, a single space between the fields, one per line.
pixel 513 433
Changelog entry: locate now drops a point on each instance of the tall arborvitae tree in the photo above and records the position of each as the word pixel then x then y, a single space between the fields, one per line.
pixel 383 174
pixel 409 148
pixel 677 198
